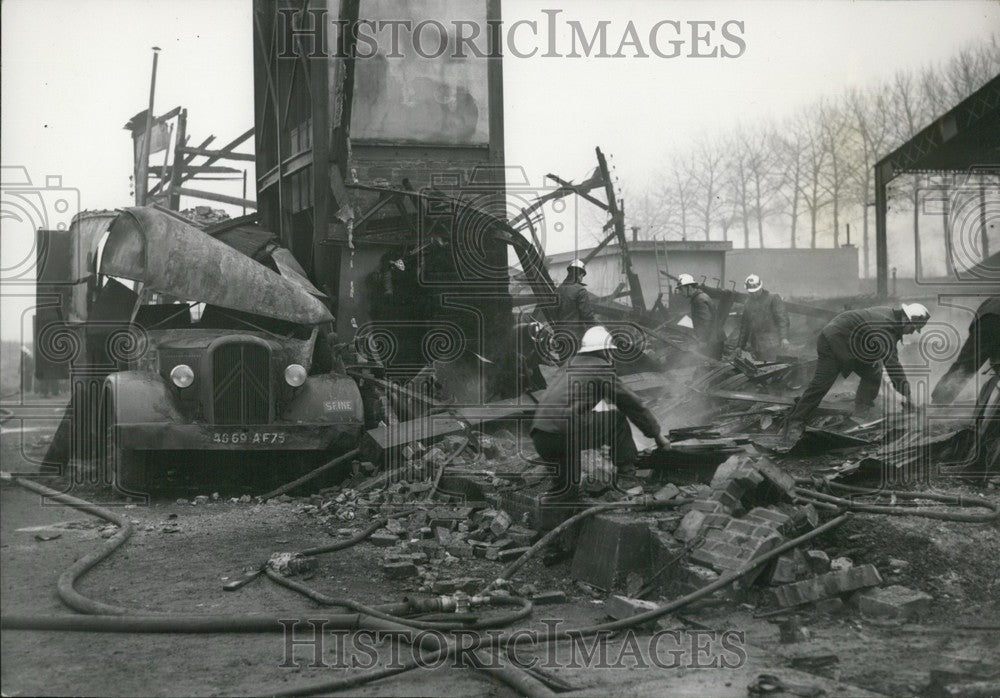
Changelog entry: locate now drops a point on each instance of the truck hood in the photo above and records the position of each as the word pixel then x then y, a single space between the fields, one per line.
pixel 169 256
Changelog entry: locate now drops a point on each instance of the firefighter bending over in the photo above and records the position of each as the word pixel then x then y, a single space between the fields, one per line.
pixel 862 342
pixel 559 430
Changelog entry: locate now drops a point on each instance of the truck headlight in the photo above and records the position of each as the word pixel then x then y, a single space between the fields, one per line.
pixel 182 375
pixel 295 375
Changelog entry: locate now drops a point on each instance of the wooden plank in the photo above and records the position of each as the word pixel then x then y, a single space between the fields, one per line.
pixel 773 399
pixel 219 154
pixel 221 198
pixel 210 169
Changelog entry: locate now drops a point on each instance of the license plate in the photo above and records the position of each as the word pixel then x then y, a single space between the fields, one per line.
pixel 249 438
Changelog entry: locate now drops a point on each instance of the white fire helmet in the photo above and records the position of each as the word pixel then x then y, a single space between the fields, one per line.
pixel 577 264
pixel 685 280
pixel 596 339
pixel 754 284
pixel 917 314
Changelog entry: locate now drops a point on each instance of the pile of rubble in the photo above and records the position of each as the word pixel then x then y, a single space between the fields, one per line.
pixel 460 543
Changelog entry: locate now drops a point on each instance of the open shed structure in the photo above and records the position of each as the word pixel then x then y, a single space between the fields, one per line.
pixel 964 141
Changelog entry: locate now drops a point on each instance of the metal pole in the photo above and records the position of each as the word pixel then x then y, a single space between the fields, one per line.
pixel 883 173
pixel 982 220
pixel 142 171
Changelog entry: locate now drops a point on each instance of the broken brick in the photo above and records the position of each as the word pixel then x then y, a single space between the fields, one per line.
pixel 511 554
pixel 827 585
pixel 469 585
pixel 789 567
pixel 500 523
pixel 818 561
pixel 548 597
pixel 776 477
pixel 695 577
pixel 690 525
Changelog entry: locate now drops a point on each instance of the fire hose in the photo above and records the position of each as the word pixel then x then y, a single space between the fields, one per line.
pixel 109 618
pixel 844 503
pixel 521 637
pixel 101 617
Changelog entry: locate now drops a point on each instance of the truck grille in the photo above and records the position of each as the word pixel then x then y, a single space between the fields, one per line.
pixel 241 384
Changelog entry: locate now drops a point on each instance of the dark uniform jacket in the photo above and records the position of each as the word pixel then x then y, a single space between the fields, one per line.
pixel 578 387
pixel 703 318
pixel 574 303
pixel 868 337
pixel 981 346
pixel 764 324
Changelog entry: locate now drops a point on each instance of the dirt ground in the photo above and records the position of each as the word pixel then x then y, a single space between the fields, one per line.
pixel 181 555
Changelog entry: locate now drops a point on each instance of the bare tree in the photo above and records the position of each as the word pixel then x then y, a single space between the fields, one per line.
pixel 706 171
pixel 681 195
pixel 787 177
pixel 736 185
pixel 839 163
pixel 761 159
pixel 815 155
pixel 868 118
pixel 652 213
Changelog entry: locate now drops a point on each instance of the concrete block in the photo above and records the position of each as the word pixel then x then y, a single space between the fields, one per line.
pixel 460 549
pixel 894 601
pixel 521 535
pixel 383 539
pixel 399 570
pixel 668 491
pixel 619 607
pixel 609 547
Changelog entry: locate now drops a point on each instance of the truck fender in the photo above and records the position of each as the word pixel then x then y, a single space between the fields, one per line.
pixel 141 397
pixel 326 398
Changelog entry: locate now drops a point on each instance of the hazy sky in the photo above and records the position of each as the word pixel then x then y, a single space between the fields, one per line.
pixel 74 71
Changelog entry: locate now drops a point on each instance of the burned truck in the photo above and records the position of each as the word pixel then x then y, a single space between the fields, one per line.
pixel 199 341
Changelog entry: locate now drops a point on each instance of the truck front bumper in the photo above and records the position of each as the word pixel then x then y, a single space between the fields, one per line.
pixel 264 437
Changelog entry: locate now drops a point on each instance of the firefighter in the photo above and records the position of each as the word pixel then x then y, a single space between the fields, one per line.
pixel 707 329
pixel 764 323
pixel 982 345
pixel 560 428
pixel 573 311
pixel 862 342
